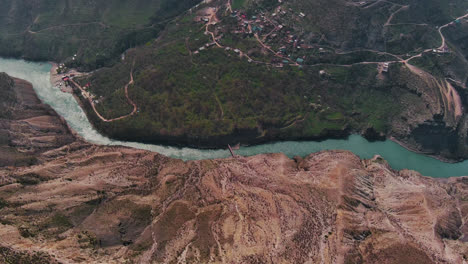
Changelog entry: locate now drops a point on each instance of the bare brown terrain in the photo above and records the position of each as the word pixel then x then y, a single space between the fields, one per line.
pixel 81 203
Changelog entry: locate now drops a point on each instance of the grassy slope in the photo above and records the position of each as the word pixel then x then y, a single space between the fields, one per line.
pixel 215 94
pixel 97 31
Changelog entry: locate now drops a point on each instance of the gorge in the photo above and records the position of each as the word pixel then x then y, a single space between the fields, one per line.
pixel 397 156
pixel 77 202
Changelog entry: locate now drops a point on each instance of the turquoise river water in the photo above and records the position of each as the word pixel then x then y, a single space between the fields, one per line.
pixel 397 156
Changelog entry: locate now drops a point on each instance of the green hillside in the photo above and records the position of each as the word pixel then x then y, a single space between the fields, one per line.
pixel 258 70
pixel 325 82
pixel 98 31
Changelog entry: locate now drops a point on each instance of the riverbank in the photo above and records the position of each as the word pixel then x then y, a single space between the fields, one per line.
pixel 56 79
pixel 66 105
pixel 246 138
pixel 207 144
pixel 137 128
pixel 427 154
pixel 95 203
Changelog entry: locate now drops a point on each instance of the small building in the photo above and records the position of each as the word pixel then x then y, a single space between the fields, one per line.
pixel 385 67
pixel 300 60
pixel 444 49
pixel 256 29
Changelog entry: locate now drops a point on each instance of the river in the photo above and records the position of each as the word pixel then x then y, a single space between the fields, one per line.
pixel 65 105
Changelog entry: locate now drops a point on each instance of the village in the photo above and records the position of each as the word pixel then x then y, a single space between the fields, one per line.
pixel 271 37
pixel 276 32
pixel 63 79
pixel 270 30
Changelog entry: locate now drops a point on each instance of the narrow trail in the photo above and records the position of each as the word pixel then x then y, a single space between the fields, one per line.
pixel 338 52
pixel 398 58
pixel 213 37
pixel 441 36
pixel 135 108
pixel 272 51
pixel 220 106
pixel 68 25
pixel 450 95
pixel 212 17
pixel 373 4
pixel 451 98
pixel 409 24
pixel 229 6
pixel 446 25
pixel 271 32
pixel 389 20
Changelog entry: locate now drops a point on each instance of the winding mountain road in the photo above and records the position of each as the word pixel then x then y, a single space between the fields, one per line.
pixel 446 25
pixel 93 105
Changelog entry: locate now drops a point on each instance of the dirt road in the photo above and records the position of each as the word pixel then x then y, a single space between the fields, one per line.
pixel 135 108
pixel 446 25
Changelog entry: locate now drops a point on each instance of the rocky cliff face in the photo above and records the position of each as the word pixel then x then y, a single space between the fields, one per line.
pixel 82 203
pixel 439 129
pixel 27 127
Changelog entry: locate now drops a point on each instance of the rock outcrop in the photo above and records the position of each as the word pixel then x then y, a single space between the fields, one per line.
pixel 27 127
pixel 83 203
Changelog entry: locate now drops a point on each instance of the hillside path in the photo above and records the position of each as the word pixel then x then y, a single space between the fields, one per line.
pixel 93 105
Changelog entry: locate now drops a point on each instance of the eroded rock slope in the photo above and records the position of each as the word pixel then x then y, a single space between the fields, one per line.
pixel 83 203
